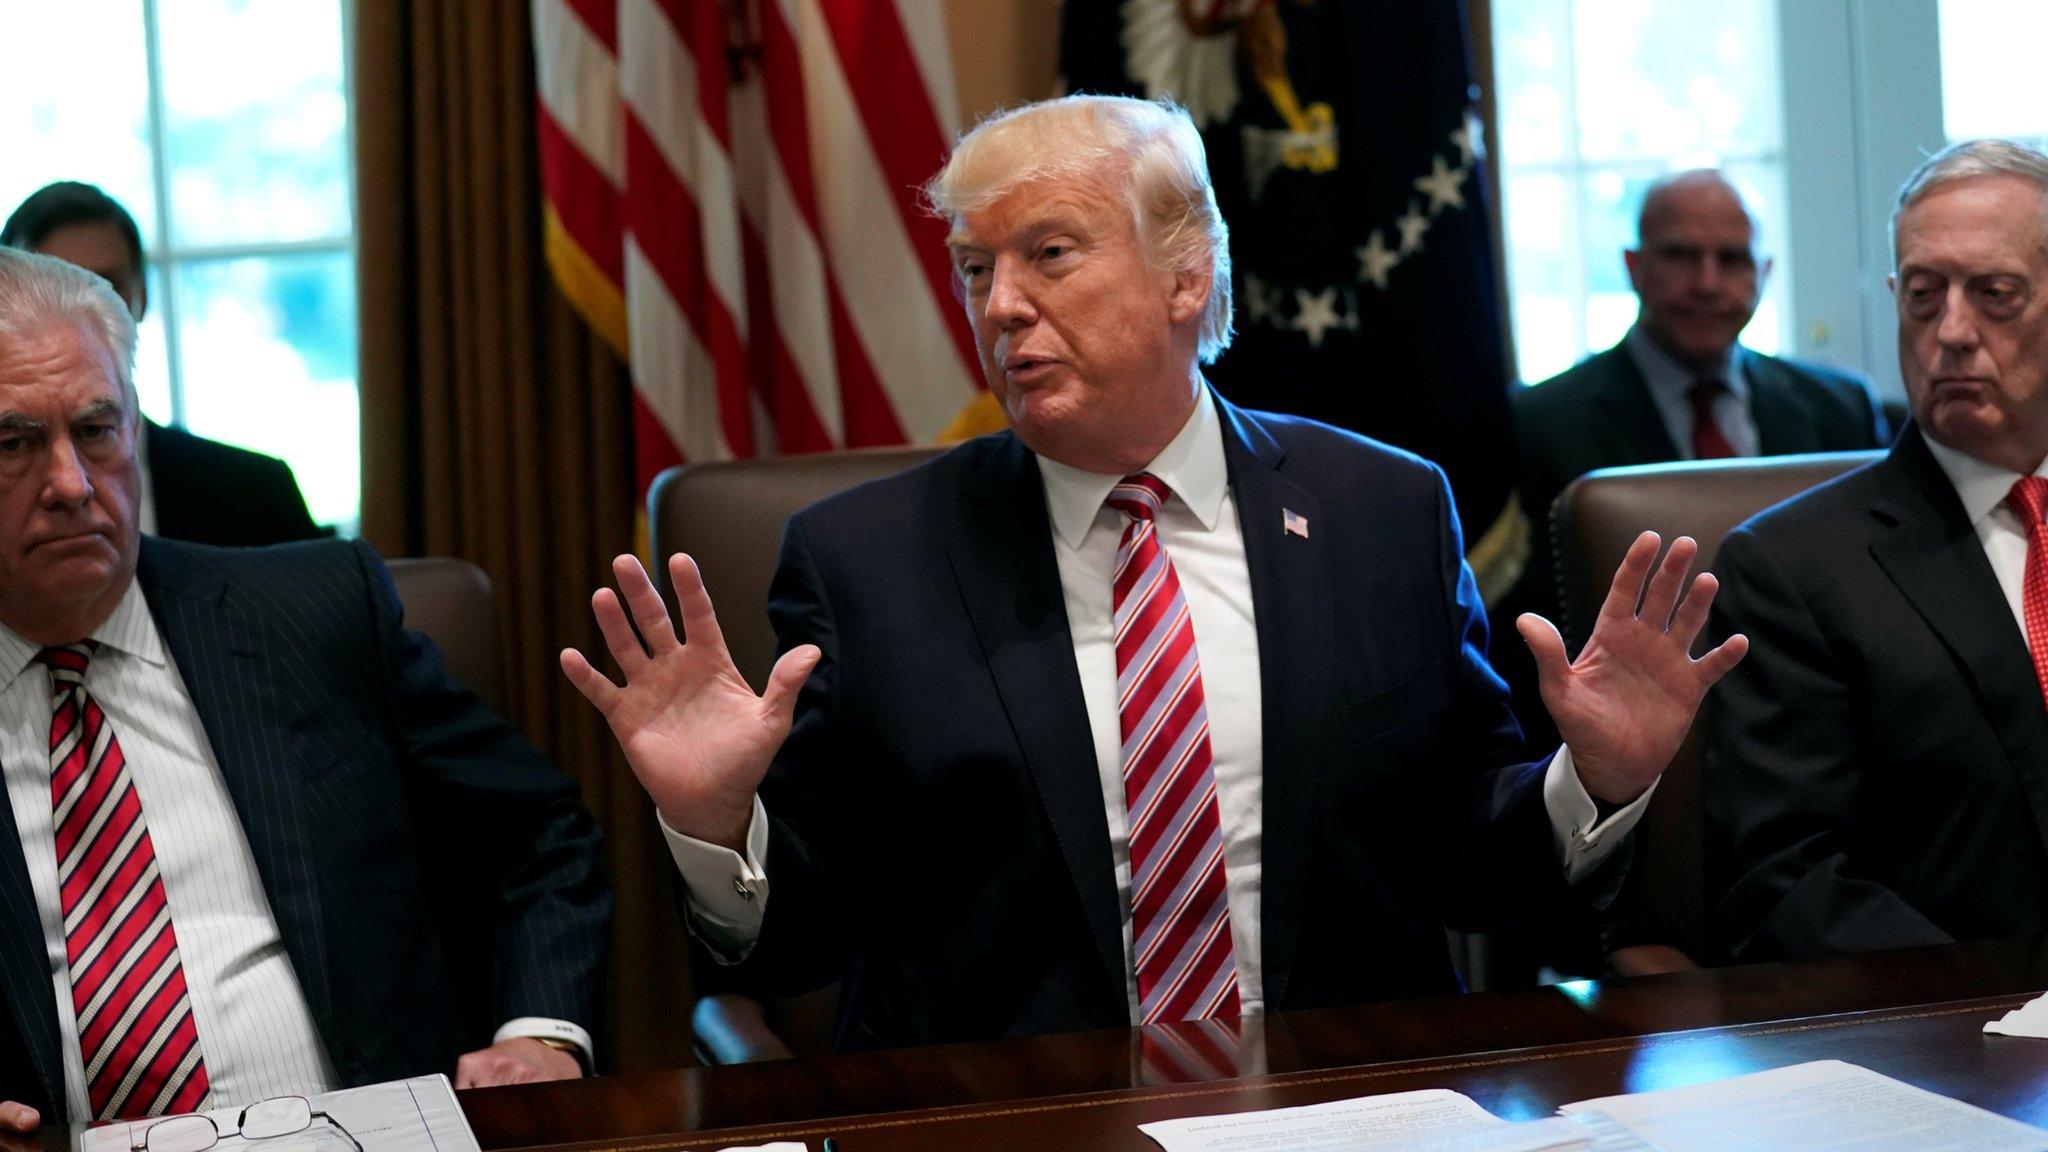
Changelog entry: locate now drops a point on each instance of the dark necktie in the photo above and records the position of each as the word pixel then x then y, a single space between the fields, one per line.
pixel 1708 443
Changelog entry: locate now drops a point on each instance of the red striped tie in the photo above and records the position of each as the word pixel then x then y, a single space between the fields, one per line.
pixel 1180 914
pixel 135 1028
pixel 2029 500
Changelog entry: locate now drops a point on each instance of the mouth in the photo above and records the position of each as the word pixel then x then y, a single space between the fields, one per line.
pixel 67 540
pixel 1026 369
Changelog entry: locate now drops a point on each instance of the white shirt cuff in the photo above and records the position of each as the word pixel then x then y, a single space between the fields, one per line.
pixel 548 1028
pixel 1583 839
pixel 727 893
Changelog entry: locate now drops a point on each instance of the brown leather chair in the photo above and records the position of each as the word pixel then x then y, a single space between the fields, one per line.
pixel 452 602
pixel 1661 920
pixel 729 516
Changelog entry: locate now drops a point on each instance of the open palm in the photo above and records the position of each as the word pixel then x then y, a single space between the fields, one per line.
pixel 693 731
pixel 1624 705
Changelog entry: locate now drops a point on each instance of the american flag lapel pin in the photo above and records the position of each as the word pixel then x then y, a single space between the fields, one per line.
pixel 1293 523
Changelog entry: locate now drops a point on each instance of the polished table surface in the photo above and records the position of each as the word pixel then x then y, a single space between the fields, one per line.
pixel 1916 1015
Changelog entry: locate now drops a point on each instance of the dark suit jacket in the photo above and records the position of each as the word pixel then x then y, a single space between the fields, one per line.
pixel 937 820
pixel 373 791
pixel 1877 771
pixel 207 492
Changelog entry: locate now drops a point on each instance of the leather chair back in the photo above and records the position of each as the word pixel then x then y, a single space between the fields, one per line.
pixel 452 602
pixel 1593 522
pixel 729 516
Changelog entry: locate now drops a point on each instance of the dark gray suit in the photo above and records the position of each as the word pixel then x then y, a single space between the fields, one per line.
pixel 387 809
pixel 1877 771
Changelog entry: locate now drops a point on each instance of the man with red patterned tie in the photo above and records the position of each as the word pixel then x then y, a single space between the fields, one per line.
pixel 1877 771
pixel 1150 709
pixel 233 788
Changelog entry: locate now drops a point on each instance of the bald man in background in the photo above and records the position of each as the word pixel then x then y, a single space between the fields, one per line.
pixel 1679 386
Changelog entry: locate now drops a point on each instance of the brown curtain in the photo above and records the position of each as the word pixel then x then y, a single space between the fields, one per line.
pixel 496 428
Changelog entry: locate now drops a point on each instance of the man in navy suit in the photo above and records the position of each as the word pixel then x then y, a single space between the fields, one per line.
pixel 1150 709
pixel 237 794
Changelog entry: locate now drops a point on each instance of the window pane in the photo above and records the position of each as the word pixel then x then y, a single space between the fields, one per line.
pixel 152 358
pixel 1989 49
pixel 256 121
pixel 269 362
pixel 1677 79
pixel 1531 45
pixel 76 105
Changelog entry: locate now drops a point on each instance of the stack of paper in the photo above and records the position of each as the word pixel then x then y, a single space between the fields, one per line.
pixel 1824 1104
pixel 2029 1019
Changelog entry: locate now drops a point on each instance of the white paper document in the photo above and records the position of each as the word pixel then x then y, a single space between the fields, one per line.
pixel 2029 1019
pixel 1825 1105
pixel 1435 1120
pixel 416 1115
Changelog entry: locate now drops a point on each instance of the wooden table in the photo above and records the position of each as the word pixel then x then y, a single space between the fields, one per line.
pixel 1916 1015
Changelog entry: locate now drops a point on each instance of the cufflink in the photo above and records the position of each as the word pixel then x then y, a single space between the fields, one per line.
pixel 739 885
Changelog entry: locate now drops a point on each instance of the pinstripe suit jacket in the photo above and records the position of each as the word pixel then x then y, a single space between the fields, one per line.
pixel 397 823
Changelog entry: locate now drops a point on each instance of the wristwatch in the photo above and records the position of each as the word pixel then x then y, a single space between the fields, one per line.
pixel 572 1048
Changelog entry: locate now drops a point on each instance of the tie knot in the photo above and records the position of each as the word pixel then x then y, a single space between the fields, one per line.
pixel 2029 497
pixel 1138 497
pixel 68 661
pixel 1705 391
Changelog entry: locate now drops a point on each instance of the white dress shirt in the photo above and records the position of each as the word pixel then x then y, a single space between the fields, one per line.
pixel 256 1031
pixel 1199 530
pixel 1670 384
pixel 255 1028
pixel 1982 488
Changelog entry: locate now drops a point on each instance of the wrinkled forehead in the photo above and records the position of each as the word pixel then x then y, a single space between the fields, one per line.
pixel 1087 202
pixel 60 364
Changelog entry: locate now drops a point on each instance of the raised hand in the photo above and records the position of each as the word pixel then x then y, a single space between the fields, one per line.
pixel 695 734
pixel 1624 705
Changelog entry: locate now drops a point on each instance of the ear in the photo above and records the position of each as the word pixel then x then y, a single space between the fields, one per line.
pixel 1190 295
pixel 1763 271
pixel 1633 257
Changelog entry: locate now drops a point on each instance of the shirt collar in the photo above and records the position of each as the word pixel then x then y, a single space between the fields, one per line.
pixel 1982 487
pixel 129 630
pixel 1669 379
pixel 1191 465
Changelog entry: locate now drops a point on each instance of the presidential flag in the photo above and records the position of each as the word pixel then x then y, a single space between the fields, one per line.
pixel 1346 155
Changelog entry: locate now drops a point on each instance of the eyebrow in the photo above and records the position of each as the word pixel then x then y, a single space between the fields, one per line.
pixel 97 410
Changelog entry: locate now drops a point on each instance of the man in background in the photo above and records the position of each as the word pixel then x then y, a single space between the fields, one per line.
pixel 238 793
pixel 193 488
pixel 1679 386
pixel 1877 771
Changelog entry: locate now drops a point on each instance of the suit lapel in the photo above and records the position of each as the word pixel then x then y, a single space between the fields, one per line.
pixel 1626 424
pixel 1783 424
pixel 1932 553
pixel 24 967
pixel 1003 558
pixel 1291 602
pixel 219 654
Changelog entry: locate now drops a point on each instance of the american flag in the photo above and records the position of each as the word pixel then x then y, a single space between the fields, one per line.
pixel 732 203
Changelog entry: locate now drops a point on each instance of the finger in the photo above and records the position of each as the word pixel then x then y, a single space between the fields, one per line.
pixel 1692 614
pixel 1721 660
pixel 467 1070
pixel 700 623
pixel 596 688
pixel 619 638
pixel 1627 589
pixel 788 678
pixel 1666 583
pixel 1546 645
pixel 650 615
pixel 18 1118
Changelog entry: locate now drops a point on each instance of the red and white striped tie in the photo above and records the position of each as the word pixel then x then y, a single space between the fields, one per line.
pixel 135 1029
pixel 1180 913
